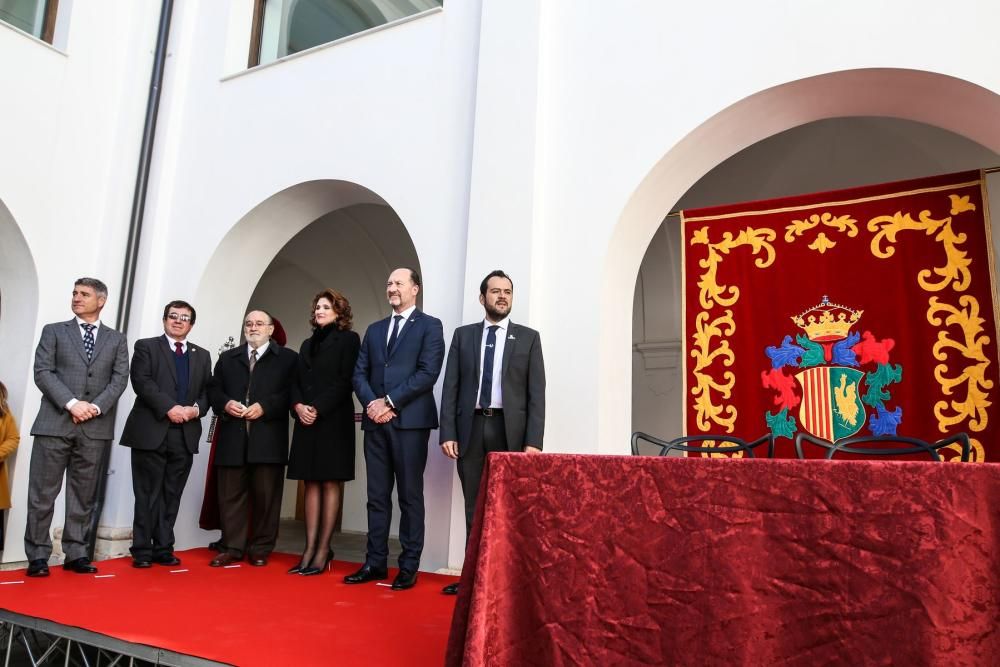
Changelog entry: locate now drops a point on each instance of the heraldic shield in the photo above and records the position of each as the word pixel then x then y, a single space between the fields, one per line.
pixel 831 406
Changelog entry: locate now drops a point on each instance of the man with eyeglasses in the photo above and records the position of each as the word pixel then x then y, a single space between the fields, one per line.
pixel 250 393
pixel 170 377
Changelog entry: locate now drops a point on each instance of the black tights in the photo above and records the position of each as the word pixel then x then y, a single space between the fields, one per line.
pixel 322 504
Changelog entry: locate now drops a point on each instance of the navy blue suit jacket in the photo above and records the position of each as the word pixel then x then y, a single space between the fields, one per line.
pixel 407 376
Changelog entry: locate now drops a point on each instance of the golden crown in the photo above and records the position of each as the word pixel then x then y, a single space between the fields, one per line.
pixel 827 322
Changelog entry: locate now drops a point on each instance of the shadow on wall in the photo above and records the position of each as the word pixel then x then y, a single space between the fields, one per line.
pixel 18 312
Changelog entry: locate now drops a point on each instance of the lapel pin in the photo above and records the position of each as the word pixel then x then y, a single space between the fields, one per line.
pixel 511 337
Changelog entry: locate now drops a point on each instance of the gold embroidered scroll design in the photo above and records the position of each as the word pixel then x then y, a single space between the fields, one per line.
pixel 969 339
pixel 710 344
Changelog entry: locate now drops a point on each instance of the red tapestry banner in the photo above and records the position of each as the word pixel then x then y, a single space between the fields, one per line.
pixel 867 311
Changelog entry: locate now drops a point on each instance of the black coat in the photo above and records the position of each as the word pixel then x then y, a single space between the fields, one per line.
pixel 324 450
pixel 272 378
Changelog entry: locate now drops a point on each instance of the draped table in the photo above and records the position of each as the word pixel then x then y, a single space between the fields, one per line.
pixel 615 560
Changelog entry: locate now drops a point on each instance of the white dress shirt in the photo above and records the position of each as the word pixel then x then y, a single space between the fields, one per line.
pixel 406 318
pixel 402 323
pixel 260 350
pixel 496 400
pixel 79 327
pixel 173 344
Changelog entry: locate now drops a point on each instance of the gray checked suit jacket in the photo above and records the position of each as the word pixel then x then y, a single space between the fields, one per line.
pixel 62 373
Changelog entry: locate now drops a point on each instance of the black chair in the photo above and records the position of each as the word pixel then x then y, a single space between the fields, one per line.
pixel 730 445
pixel 884 445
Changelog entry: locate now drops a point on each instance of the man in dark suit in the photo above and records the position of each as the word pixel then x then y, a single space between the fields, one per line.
pixel 81 368
pixel 170 376
pixel 394 378
pixel 493 398
pixel 250 394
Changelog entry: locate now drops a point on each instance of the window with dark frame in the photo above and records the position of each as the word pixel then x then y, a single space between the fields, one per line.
pixel 35 17
pixel 283 27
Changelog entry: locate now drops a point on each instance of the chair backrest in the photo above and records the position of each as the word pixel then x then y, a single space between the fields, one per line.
pixel 713 444
pixel 886 445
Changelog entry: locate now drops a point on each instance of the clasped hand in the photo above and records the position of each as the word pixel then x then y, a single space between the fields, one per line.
pixel 82 411
pixel 182 413
pixel 240 411
pixel 379 412
pixel 307 414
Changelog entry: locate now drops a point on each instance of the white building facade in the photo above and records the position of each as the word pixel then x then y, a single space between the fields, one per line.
pixel 550 138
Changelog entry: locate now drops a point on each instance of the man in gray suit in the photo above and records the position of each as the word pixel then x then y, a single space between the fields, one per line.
pixel 81 368
pixel 493 399
pixel 170 376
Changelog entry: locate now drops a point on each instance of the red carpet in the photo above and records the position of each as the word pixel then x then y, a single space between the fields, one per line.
pixel 246 615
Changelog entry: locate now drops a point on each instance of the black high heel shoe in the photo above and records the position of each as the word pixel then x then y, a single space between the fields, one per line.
pixel 310 571
pixel 301 566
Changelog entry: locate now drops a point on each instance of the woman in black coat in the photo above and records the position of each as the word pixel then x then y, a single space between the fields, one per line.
pixel 323 440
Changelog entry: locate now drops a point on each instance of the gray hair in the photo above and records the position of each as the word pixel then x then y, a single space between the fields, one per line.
pixel 94 284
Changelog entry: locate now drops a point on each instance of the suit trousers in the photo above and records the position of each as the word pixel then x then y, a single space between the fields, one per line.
pixel 158 479
pixel 250 507
pixel 394 455
pixel 79 458
pixel 488 435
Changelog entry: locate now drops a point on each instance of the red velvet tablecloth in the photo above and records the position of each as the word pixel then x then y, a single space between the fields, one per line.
pixel 609 560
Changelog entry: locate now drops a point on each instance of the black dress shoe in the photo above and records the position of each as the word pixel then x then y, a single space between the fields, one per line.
pixel 450 589
pixel 38 568
pixel 225 559
pixel 405 579
pixel 169 560
pixel 365 574
pixel 80 566
pixel 141 563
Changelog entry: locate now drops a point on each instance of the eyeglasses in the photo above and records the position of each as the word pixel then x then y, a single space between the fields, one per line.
pixel 177 317
pixel 259 324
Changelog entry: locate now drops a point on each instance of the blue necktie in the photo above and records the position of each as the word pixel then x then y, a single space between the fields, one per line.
pixel 88 340
pixel 395 332
pixel 486 390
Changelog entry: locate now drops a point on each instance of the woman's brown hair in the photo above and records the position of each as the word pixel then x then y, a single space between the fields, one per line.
pixel 4 408
pixel 341 306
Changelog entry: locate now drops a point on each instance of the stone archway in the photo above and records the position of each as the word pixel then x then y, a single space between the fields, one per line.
pixel 18 313
pixel 934 99
pixel 316 234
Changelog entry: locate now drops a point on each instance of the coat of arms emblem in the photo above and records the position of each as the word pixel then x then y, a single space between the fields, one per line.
pixel 826 364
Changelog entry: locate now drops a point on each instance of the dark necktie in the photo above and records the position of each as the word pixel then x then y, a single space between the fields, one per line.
pixel 88 339
pixel 246 401
pixel 179 349
pixel 392 337
pixel 486 390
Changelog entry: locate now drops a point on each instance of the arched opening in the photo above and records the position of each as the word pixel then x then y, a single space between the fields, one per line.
pixel 307 237
pixel 860 103
pixel 822 155
pixel 18 312
pixel 353 250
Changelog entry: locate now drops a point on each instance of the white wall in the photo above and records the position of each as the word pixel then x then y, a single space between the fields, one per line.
pixel 549 139
pixel 70 131
pixel 644 103
pixel 391 111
